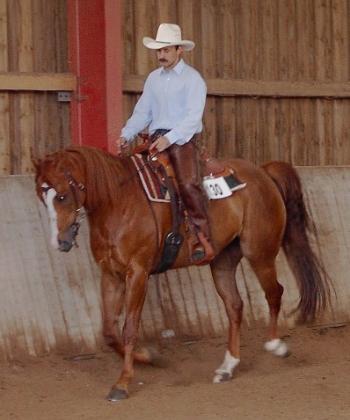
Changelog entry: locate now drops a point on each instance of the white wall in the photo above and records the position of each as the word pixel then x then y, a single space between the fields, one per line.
pixel 50 301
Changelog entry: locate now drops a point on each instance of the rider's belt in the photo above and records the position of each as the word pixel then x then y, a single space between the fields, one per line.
pixel 162 131
pixel 158 133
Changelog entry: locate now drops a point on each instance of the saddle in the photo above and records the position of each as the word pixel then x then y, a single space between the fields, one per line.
pixel 219 181
pixel 159 182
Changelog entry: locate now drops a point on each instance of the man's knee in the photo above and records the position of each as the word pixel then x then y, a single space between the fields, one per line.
pixel 190 189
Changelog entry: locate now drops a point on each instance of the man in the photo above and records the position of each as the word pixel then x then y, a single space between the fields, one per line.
pixel 172 106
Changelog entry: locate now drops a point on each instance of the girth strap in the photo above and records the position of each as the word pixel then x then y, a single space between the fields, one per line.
pixel 173 239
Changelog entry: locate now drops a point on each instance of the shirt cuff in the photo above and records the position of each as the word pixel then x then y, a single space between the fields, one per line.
pixel 127 135
pixel 173 136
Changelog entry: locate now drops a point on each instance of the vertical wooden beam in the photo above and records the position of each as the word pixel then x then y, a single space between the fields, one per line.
pixel 26 105
pixel 95 57
pixel 4 96
pixel 145 58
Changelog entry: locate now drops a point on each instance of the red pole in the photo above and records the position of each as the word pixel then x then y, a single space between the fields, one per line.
pixel 95 50
pixel 114 53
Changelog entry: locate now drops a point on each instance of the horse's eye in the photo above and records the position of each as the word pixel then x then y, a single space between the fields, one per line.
pixel 60 197
pixel 45 189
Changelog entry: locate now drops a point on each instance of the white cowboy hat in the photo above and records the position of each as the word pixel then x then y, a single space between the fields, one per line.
pixel 168 34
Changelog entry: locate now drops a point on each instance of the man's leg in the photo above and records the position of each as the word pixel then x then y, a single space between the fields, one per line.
pixel 186 166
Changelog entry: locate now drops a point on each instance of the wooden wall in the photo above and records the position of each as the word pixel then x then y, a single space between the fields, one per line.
pixel 278 73
pixel 33 39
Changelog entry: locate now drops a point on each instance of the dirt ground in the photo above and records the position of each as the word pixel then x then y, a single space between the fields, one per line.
pixel 312 383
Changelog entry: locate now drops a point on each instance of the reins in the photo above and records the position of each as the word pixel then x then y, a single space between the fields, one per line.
pixel 138 170
pixel 157 232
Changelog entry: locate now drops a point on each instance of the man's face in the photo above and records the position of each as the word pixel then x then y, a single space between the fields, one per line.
pixel 168 57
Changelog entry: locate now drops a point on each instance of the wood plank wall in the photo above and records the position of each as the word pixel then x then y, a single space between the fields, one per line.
pixel 33 38
pixel 253 40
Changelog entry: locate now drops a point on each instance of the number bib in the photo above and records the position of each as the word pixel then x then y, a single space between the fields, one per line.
pixel 216 188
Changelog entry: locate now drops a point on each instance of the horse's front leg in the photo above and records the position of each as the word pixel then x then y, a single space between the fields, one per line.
pixel 113 292
pixel 135 292
pixel 113 296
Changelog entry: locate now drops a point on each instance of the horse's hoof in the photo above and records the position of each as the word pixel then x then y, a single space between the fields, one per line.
pixel 220 378
pixel 156 359
pixel 277 347
pixel 116 394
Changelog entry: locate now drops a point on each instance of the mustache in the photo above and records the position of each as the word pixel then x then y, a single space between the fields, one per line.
pixel 162 60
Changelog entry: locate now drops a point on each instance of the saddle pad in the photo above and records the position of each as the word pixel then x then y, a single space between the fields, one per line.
pixel 215 188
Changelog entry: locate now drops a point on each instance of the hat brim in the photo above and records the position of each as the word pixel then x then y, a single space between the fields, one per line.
pixel 157 45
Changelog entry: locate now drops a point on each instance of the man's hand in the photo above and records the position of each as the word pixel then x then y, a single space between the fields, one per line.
pixel 122 146
pixel 159 145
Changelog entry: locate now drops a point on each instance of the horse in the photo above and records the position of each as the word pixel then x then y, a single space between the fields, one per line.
pixel 127 233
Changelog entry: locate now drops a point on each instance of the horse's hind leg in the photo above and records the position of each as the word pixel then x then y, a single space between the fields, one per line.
pixel 267 276
pixel 224 271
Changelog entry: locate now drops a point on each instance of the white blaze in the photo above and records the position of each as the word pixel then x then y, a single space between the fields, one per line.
pixel 48 197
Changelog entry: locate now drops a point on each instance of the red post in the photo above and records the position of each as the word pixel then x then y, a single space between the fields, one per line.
pixel 95 51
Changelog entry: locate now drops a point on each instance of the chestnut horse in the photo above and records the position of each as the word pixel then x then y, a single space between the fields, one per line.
pixel 127 234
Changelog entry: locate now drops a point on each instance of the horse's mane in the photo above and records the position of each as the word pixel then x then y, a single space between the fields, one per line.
pixel 103 173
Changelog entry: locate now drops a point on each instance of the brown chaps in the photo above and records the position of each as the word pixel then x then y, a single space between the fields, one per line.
pixel 185 162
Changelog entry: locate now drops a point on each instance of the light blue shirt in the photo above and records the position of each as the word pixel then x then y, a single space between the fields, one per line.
pixel 172 99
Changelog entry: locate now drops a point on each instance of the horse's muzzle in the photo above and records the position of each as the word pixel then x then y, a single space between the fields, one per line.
pixel 67 239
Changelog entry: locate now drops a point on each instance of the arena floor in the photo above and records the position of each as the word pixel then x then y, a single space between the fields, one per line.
pixel 312 383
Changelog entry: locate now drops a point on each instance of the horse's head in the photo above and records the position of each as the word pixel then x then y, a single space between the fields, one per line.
pixel 60 186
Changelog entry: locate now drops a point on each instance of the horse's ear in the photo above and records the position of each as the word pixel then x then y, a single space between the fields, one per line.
pixel 35 160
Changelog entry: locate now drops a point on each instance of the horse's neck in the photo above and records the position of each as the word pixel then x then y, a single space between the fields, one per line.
pixel 108 188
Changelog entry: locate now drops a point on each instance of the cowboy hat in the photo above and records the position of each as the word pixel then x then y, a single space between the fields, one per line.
pixel 168 34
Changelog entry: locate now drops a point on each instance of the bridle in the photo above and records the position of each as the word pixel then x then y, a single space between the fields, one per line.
pixel 74 187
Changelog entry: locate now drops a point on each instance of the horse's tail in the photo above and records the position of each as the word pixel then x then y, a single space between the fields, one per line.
pixel 311 276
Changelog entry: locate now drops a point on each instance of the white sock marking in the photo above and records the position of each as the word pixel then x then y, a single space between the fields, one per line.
pixel 48 197
pixel 226 369
pixel 276 346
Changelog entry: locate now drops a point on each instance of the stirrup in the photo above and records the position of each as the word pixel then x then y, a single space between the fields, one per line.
pixel 203 253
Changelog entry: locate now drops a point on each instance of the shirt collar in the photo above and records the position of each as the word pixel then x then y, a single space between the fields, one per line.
pixel 177 69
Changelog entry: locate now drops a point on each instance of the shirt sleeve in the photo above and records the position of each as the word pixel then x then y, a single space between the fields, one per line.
pixel 196 97
pixel 141 116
